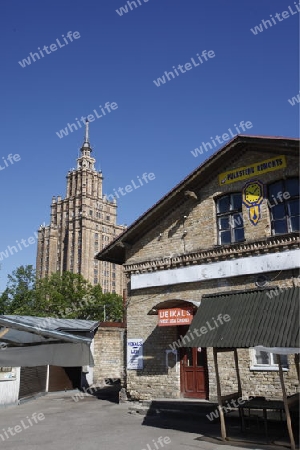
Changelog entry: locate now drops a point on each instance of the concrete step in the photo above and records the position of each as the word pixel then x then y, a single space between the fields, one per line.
pixel 172 408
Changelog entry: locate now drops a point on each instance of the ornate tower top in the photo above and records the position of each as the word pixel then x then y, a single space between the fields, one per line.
pixel 86 144
pixel 86 160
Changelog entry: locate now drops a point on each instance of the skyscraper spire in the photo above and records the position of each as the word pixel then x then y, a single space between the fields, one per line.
pixel 86 137
pixel 86 160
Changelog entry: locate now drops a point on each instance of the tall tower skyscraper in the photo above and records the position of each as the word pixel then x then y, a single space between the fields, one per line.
pixel 81 224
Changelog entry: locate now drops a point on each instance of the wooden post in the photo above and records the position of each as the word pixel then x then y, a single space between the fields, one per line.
pixel 237 372
pixel 286 406
pixel 241 410
pixel 221 412
pixel 297 364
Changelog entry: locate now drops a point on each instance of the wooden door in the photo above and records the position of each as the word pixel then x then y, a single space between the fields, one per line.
pixel 193 373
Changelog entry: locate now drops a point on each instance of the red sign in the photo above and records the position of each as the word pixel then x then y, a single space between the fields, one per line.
pixel 175 316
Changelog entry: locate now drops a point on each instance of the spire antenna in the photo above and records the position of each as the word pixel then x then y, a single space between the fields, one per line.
pixel 86 137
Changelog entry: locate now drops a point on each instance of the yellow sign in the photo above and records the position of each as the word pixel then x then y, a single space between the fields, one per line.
pixel 242 173
pixel 253 195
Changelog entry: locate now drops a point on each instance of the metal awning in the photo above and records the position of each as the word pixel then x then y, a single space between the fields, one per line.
pixel 267 319
pixel 175 303
pixel 33 341
pixel 261 317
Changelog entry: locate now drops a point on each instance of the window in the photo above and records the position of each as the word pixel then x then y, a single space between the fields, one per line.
pixel 267 361
pixel 95 280
pixel 283 201
pixel 230 219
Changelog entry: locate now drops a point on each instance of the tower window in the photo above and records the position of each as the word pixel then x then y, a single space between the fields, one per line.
pixel 283 201
pixel 230 219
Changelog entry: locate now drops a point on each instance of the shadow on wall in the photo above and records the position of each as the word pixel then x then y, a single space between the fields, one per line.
pixel 158 359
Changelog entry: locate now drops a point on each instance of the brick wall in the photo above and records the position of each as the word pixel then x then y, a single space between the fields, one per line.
pixel 166 240
pixel 254 383
pixel 109 353
pixel 158 379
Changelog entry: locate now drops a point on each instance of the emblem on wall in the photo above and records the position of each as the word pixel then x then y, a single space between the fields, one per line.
pixel 253 195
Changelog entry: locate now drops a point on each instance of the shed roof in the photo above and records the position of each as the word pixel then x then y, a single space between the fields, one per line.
pixel 31 341
pixel 52 323
pixel 34 330
pixel 268 317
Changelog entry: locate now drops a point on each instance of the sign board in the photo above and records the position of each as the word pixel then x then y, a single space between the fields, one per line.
pixel 8 374
pixel 134 354
pixel 253 170
pixel 175 316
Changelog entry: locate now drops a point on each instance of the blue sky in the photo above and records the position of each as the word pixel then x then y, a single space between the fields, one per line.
pixel 154 129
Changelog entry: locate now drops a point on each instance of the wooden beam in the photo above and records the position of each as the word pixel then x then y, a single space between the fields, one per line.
pixel 236 360
pixel 297 365
pixel 224 349
pixel 221 412
pixel 286 406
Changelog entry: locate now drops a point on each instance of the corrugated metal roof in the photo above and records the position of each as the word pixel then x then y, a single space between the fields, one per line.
pixel 46 327
pixel 256 318
pixel 54 324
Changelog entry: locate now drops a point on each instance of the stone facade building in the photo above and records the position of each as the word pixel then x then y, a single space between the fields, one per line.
pixel 81 224
pixel 231 226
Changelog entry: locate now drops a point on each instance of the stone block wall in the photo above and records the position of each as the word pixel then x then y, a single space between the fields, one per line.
pixel 188 229
pixel 254 383
pixel 109 353
pixel 160 377
pixel 198 218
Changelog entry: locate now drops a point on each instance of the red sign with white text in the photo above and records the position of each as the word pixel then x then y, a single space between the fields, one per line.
pixel 175 316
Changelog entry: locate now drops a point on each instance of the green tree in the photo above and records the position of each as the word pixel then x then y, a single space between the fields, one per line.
pixel 18 297
pixel 104 306
pixel 65 295
pixel 62 295
pixel 4 302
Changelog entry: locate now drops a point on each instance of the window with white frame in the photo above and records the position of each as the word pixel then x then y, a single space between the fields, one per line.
pixel 262 360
